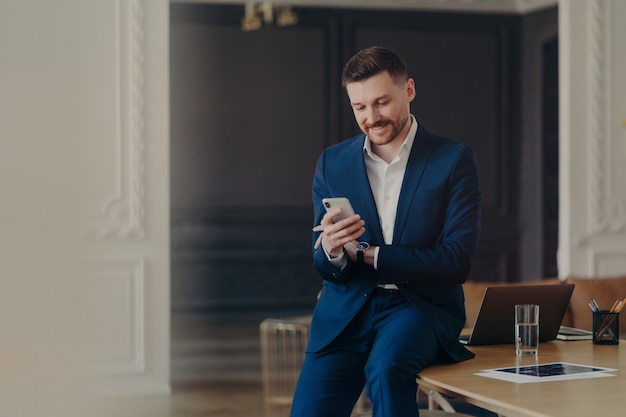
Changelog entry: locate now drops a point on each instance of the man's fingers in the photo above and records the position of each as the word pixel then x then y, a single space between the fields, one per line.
pixel 318 241
pixel 335 235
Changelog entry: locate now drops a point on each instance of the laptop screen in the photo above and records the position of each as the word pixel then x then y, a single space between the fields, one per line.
pixel 495 320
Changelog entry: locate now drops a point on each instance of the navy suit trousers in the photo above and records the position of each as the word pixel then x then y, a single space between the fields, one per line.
pixel 384 347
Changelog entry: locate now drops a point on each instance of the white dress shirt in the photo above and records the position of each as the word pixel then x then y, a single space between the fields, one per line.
pixel 386 180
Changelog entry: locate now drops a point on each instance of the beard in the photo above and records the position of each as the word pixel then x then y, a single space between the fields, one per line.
pixel 397 126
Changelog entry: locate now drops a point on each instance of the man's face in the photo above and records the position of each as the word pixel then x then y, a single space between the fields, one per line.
pixel 381 106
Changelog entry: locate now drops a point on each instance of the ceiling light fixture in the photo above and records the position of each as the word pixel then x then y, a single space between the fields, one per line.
pixel 259 14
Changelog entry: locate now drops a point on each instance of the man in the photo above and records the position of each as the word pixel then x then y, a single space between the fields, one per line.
pixel 392 300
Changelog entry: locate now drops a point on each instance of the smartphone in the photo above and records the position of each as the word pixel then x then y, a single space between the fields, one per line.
pixel 341 202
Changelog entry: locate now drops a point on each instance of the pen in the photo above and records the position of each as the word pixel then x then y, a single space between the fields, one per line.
pixel 608 321
pixel 594 306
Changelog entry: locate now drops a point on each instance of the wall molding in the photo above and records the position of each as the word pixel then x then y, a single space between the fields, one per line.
pixel 122 214
pixel 607 210
pixel 118 283
pixel 609 262
pixel 488 6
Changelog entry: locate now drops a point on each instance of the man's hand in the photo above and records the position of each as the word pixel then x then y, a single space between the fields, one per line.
pixel 335 235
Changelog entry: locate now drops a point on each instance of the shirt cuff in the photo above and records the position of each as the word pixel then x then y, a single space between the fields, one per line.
pixel 339 262
pixel 376 250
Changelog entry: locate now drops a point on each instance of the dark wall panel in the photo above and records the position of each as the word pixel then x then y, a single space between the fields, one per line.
pixel 251 112
pixel 249 118
pixel 242 259
pixel 248 114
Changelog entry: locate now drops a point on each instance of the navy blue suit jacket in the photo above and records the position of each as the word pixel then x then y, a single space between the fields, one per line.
pixel 436 233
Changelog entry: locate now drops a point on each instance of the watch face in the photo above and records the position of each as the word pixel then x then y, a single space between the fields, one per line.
pixel 362 246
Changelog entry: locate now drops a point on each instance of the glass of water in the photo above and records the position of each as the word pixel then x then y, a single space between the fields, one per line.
pixel 526 329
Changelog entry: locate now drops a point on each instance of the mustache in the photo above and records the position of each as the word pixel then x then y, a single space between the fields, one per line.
pixel 379 123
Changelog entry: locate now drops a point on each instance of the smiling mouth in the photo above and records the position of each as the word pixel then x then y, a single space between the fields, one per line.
pixel 378 126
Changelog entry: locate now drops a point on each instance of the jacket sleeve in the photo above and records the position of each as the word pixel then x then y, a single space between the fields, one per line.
pixel 324 267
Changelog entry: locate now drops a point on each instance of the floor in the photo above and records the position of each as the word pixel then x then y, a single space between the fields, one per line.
pixel 215 371
pixel 205 400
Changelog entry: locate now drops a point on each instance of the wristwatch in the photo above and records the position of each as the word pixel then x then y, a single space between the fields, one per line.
pixel 361 247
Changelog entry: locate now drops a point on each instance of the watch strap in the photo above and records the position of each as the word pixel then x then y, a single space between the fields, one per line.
pixel 361 247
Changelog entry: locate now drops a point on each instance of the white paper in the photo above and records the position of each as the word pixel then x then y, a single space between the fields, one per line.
pixel 554 371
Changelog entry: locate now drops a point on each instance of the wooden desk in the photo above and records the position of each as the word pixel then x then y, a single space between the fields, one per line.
pixel 592 397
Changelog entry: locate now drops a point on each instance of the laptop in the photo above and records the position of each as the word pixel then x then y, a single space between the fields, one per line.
pixel 496 316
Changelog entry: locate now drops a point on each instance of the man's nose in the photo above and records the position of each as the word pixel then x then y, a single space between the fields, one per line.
pixel 372 115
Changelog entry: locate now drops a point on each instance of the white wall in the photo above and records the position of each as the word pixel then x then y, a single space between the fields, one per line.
pixel 592 230
pixel 84 185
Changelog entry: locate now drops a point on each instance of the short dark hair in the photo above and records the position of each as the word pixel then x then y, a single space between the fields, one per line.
pixel 371 61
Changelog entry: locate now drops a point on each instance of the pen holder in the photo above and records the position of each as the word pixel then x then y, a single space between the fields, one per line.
pixel 605 328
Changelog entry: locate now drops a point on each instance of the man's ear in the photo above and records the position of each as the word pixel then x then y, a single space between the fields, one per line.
pixel 410 89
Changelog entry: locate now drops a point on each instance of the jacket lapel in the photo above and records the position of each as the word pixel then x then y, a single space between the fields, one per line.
pixel 364 195
pixel 420 152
